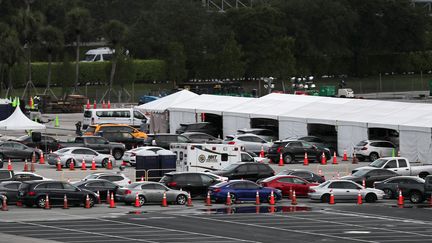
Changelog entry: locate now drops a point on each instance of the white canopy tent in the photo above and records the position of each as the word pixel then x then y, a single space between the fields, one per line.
pixel 162 104
pixel 186 112
pixel 18 121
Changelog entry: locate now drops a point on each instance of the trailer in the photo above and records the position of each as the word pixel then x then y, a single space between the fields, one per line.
pixel 208 157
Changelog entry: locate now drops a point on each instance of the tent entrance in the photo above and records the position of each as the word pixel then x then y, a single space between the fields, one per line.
pixel 327 133
pixel 215 120
pixel 266 123
pixel 386 134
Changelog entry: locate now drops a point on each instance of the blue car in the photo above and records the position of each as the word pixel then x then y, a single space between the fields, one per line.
pixel 242 190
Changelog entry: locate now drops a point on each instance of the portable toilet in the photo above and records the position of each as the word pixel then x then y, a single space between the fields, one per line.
pixel 146 160
pixel 167 161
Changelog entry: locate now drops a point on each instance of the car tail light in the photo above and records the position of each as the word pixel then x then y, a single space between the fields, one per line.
pixel 279 149
pixel 172 183
pixel 231 142
pixel 311 190
pixel 128 191
pixel 31 193
pixel 216 190
pixel 364 148
pixel 129 182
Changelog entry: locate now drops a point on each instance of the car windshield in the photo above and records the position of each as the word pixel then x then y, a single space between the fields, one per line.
pixel 229 167
pixel 62 151
pixel 324 184
pixel 378 163
pixel 89 57
pixel 360 173
pixel 362 143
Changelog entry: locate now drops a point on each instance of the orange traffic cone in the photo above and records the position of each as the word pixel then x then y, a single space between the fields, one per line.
pixel 290 195
pixel 257 199
pixel 164 201
pixel 94 104
pixel 108 200
pixel 65 202
pixel 25 166
pixel 359 198
pixel 400 199
pixel 98 197
pixel 72 165
pixel 4 206
pixel 305 161
pixel 137 202
pixel 345 156
pixel 261 155
pixel 87 202
pixel 189 200
pixel 103 104
pixel 228 199
pixel 88 104
pixel 124 163
pixel 59 166
pixel 9 167
pixel 323 159
pixel 332 198
pixel 93 164
pixel 42 158
pixel 83 165
pixel 47 202
pixel 272 198
pixel 294 199
pixel 109 166
pixel 281 162
pixel 354 159
pixel 109 105
pixel 33 160
pixel 32 167
pixel 208 199
pixel 112 203
pixel 334 158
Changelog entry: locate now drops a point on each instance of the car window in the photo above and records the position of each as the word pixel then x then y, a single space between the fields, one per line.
pixel 147 187
pixel 252 167
pixel 391 164
pixel 242 169
pixel 251 185
pixel 68 186
pixel 337 185
pixel 159 187
pixel 94 184
pixel 138 115
pixel 386 173
pixel 349 185
pixel 41 186
pixel 295 144
pixel 206 179
pixel 375 144
pixel 402 163
pixel 372 173
pixel 12 185
pixel 263 167
pixel 306 145
pixel 57 186
pixel 18 146
pixel 245 138
pixel 182 139
pixel 181 178
pixel 387 145
pixel 239 185
pixel 286 180
pixel 396 181
pixel 256 140
pixel 108 184
pixel 298 181
pixel 79 151
pixel 90 152
pixel 246 158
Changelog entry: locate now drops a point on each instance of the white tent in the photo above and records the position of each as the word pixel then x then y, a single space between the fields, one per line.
pixel 162 104
pixel 186 112
pixel 18 121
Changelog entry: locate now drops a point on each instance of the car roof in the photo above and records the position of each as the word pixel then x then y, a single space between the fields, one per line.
pixel 374 141
pixel 90 180
pixel 78 148
pixel 39 181
pixel 192 133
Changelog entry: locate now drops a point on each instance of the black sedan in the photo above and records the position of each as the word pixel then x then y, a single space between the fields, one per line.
pixel 98 185
pixel 34 193
pixel 46 143
pixel 412 187
pixel 14 150
pixel 10 189
pixel 370 176
pixel 305 174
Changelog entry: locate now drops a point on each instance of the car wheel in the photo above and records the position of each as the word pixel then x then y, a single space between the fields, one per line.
pixel 416 197
pixel 373 156
pixel 141 200
pixel 40 202
pixel 388 193
pixel 233 198
pixel 118 154
pixel 69 162
pixel 371 198
pixel 325 198
pixel 104 163
pixel 181 200
pixel 91 201
pixel 288 159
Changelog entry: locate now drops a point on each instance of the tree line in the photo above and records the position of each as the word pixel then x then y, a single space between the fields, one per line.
pixel 279 38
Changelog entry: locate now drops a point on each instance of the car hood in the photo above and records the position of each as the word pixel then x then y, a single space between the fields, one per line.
pixel 363 167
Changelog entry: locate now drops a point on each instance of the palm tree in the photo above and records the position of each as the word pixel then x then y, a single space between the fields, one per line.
pixel 78 24
pixel 115 32
pixel 52 40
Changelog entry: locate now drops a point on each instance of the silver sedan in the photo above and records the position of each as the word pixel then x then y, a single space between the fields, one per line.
pixel 77 155
pixel 150 192
pixel 344 190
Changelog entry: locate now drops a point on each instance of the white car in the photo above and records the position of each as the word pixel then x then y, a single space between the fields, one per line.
pixel 130 155
pixel 374 149
pixel 115 177
pixel 344 190
pixel 249 141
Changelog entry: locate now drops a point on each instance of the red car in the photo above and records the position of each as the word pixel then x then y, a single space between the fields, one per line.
pixel 285 182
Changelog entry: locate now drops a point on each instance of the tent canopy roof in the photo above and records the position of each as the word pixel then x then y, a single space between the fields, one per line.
pixel 162 104
pixel 18 121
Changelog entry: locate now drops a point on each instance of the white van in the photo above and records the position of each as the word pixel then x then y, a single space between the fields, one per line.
pixel 99 55
pixel 128 116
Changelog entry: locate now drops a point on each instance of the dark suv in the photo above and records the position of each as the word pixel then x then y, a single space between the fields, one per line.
pixel 34 193
pixel 205 127
pixel 6 175
pixel 246 170
pixel 165 139
pixel 294 150
pixel 197 183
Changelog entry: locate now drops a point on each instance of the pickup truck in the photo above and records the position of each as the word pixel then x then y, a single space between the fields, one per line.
pixel 401 166
pixel 412 187
pixel 98 144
